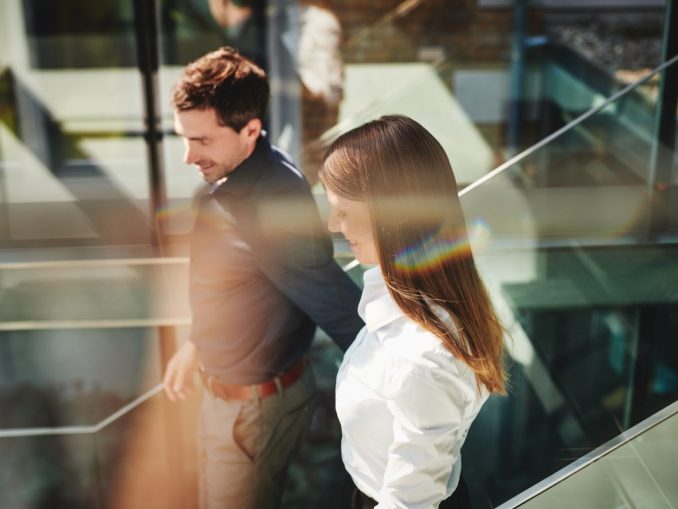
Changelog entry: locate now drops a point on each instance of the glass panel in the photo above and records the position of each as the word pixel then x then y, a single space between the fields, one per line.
pixel 72 156
pixel 640 473
pixel 70 384
pixel 487 78
pixel 670 191
pixel 89 293
pixel 123 464
pixel 588 185
pixel 562 240
pixel 49 471
pixel 55 378
pixel 135 457
pixel 336 64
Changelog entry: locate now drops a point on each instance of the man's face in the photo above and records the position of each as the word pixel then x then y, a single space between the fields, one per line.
pixel 216 150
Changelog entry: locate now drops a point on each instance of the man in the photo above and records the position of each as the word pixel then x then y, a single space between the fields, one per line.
pixel 262 276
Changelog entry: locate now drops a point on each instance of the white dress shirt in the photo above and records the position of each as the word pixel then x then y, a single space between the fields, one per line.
pixel 405 405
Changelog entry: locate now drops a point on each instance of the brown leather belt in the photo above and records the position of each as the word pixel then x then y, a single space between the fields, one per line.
pixel 260 390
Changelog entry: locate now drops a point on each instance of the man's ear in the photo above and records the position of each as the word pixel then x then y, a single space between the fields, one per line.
pixel 252 129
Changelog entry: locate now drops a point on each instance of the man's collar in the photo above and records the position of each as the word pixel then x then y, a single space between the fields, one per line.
pixel 242 179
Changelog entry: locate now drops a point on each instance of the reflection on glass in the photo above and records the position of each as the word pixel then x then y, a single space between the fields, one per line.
pixel 586 298
pixel 134 457
pixel 122 463
pixel 71 146
pixel 55 378
pixel 640 473
pixel 114 292
pixel 73 171
pixel 49 471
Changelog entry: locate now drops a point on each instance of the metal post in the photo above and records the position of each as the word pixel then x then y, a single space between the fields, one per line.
pixel 664 143
pixel 174 440
pixel 147 36
pixel 145 24
pixel 517 76
pixel 5 84
pixel 643 362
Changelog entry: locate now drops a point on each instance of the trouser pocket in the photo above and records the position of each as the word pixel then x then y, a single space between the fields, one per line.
pixel 250 430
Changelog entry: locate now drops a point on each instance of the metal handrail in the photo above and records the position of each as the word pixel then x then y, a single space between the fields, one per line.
pixel 81 430
pixel 570 125
pixel 109 323
pixel 590 458
pixel 398 11
pixel 95 263
pixel 109 262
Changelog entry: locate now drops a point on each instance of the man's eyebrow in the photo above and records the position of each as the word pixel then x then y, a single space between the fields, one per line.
pixel 192 138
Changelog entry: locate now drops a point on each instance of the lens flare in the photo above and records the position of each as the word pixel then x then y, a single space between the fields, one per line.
pixel 211 213
pixel 167 212
pixel 443 245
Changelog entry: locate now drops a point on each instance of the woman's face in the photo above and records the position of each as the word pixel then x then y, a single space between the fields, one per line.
pixel 352 219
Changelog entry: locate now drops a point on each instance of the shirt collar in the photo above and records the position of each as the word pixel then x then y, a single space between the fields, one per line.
pixel 241 180
pixel 377 308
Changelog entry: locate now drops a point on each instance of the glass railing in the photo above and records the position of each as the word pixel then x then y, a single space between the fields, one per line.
pixel 635 469
pixel 81 353
pixel 95 293
pixel 560 233
pixel 83 421
pixel 563 238
pixel 116 462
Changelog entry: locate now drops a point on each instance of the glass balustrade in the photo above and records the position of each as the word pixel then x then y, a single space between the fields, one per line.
pixel 564 241
pixel 636 469
pixel 564 237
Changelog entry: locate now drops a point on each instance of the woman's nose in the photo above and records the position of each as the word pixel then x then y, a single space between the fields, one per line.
pixel 332 223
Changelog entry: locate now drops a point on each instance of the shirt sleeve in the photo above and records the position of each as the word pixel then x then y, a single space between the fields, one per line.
pixel 324 292
pixel 428 408
pixel 294 251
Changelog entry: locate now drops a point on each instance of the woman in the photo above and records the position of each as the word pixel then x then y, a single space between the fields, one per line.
pixel 431 351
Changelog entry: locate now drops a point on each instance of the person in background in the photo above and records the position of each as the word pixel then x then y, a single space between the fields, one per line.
pixel 431 352
pixel 298 43
pixel 262 276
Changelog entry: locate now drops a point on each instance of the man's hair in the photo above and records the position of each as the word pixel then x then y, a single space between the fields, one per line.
pixel 233 85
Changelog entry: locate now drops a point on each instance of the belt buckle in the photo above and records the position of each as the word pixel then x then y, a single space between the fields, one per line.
pixel 210 388
pixel 279 387
pixel 207 381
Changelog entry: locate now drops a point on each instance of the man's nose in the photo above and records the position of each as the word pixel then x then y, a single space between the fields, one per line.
pixel 189 155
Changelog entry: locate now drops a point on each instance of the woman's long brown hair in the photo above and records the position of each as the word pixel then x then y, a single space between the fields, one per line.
pixel 403 173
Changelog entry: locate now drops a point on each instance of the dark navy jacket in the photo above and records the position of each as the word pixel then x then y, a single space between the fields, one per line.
pixel 263 273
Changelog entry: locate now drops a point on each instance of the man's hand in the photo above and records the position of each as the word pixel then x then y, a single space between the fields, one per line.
pixel 178 379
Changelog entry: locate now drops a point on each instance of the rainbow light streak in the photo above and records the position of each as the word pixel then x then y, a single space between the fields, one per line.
pixel 168 212
pixel 443 245
pixel 210 215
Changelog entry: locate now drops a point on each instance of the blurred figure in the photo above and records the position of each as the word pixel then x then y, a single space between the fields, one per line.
pixel 298 43
pixel 322 74
pixel 431 352
pixel 262 276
